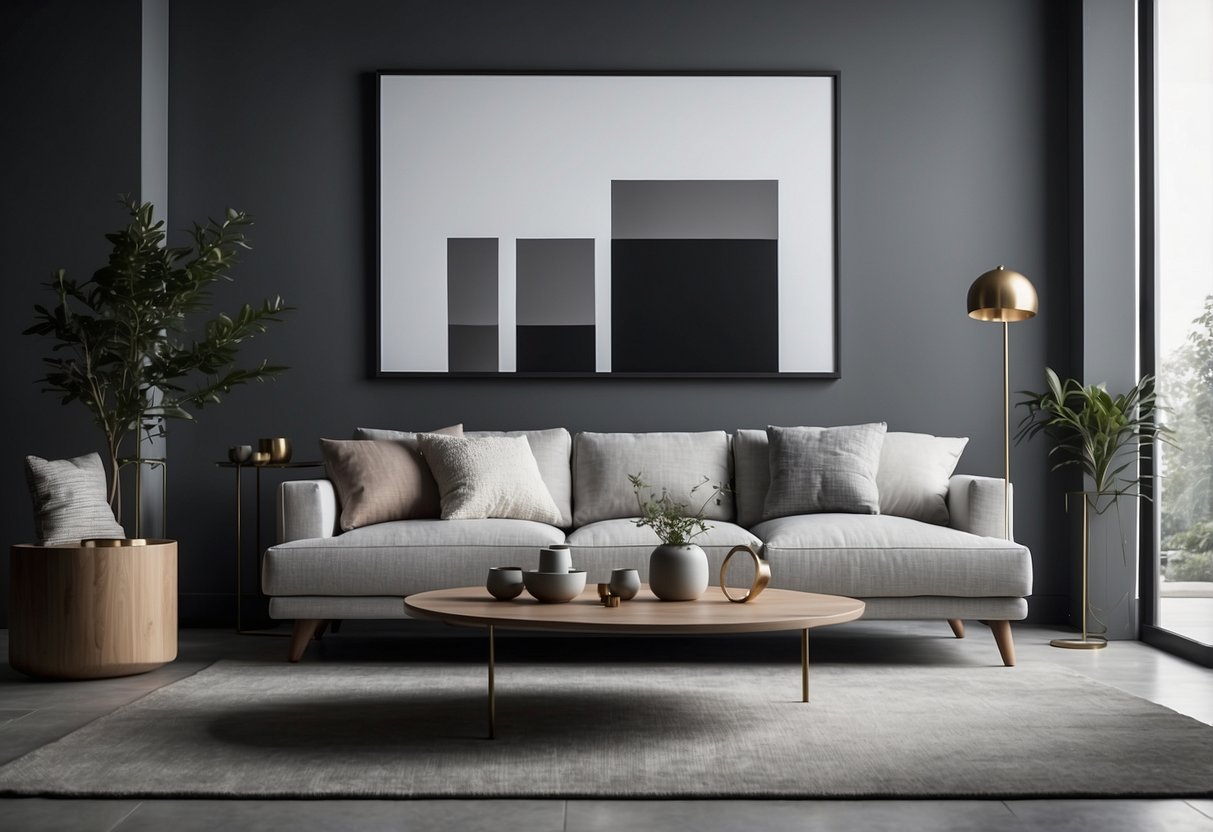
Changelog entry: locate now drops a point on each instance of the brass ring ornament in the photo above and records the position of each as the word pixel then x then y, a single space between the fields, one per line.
pixel 762 575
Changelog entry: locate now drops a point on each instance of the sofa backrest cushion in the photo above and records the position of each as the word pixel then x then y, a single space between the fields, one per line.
pixel 552 449
pixel 674 461
pixel 911 477
pixel 816 470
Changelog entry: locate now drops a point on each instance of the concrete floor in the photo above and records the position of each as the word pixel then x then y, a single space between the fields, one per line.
pixel 34 713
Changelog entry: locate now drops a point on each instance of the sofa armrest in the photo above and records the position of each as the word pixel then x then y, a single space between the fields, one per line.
pixel 306 509
pixel 975 505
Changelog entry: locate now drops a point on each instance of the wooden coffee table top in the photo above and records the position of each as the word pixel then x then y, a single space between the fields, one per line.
pixel 774 609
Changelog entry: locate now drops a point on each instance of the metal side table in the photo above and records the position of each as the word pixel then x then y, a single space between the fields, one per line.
pixel 240 469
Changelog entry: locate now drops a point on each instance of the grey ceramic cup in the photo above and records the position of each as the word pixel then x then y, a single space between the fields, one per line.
pixel 625 583
pixel 555 560
pixel 504 582
pixel 240 453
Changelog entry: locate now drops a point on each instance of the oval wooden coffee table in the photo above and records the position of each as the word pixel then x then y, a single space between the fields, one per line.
pixel 775 610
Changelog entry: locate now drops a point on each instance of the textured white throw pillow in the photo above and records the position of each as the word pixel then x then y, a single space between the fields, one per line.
pixel 70 500
pixel 488 476
pixel 914 472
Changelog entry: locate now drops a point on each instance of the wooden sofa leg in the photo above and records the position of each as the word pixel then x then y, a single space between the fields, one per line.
pixel 302 633
pixel 958 627
pixel 1002 637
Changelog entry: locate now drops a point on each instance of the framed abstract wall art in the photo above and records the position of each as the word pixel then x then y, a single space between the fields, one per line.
pixel 540 224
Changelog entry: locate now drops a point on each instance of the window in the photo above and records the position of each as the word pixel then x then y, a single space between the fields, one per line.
pixel 1183 67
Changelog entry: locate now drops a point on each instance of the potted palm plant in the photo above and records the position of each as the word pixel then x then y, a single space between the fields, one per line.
pixel 128 342
pixel 1103 436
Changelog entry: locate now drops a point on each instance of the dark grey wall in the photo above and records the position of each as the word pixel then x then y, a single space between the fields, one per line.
pixel 70 144
pixel 954 159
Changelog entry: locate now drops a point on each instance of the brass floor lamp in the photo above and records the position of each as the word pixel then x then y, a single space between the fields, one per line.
pixel 1003 296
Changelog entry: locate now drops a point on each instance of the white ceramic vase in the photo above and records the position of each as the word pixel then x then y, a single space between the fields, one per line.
pixel 678 573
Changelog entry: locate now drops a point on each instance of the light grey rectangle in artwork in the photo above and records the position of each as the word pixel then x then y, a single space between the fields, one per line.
pixel 471 281
pixel 695 209
pixel 555 282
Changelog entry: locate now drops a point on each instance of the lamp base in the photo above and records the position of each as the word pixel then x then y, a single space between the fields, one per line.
pixel 1086 643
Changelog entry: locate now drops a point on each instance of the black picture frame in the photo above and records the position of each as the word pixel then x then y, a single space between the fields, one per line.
pixel 554 347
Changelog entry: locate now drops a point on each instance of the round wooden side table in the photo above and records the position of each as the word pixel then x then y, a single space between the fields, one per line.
pixel 92 612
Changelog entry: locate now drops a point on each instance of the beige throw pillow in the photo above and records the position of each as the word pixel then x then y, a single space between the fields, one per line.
pixel 914 472
pixel 378 480
pixel 488 476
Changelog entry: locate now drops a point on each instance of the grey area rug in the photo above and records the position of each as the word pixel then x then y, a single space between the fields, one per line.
pixel 691 730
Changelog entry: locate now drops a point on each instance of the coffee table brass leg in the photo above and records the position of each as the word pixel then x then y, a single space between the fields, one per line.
pixel 804 665
pixel 492 693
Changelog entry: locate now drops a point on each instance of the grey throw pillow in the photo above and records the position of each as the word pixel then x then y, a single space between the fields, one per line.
pixel 70 501
pixel 815 470
pixel 488 476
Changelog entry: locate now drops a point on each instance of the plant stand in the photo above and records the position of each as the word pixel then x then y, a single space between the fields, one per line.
pixel 91 612
pixel 1087 642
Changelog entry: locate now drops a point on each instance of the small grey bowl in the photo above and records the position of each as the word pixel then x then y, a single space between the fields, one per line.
pixel 240 454
pixel 504 582
pixel 554 587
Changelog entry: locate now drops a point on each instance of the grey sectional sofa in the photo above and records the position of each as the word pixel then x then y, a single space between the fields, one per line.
pixel 902 568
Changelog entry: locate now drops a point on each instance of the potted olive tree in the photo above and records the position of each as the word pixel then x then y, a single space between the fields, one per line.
pixel 1103 436
pixel 134 344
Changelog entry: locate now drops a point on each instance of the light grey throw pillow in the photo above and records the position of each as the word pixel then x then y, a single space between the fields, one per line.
pixel 815 470
pixel 914 472
pixel 70 501
pixel 488 476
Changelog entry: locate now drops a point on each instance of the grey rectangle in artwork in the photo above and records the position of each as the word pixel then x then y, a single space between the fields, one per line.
pixel 555 282
pixel 471 281
pixel 698 209
pixel 472 349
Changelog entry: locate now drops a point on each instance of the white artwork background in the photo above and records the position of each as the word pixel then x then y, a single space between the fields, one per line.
pixel 533 156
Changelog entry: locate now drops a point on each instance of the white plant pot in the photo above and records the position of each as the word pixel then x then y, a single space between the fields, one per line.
pixel 678 573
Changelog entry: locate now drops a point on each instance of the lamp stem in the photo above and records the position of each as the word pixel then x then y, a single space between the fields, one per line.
pixel 1006 433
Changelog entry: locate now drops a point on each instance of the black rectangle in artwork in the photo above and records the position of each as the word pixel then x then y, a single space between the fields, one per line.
pixel 471 349
pixel 555 349
pixel 695 306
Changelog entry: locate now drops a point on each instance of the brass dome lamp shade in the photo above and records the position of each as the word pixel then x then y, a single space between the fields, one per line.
pixel 1003 296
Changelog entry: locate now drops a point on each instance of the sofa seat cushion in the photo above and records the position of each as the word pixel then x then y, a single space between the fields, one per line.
pixel 403 557
pixel 621 544
pixel 884 556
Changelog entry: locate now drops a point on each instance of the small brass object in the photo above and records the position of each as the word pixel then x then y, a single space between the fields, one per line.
pixel 762 575
pixel 604 590
pixel 611 601
pixel 278 448
pixel 260 458
pixel 111 542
